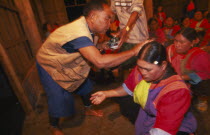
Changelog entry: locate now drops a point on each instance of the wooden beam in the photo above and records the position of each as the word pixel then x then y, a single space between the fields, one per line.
pixel 29 24
pixel 15 82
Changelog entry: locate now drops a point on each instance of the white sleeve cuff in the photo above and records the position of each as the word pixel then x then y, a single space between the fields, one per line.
pixel 158 131
pixel 127 90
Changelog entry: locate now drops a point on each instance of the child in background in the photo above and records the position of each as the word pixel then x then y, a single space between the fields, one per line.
pixel 155 31
pixel 161 14
pixel 170 29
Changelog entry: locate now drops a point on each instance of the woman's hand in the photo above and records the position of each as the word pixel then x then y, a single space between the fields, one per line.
pixel 98 97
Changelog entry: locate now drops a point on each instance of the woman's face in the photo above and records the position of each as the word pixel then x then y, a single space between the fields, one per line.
pixel 198 16
pixel 154 25
pixel 150 72
pixel 186 22
pixel 182 44
pixel 169 22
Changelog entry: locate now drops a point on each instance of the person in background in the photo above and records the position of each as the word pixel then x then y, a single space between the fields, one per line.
pixel 170 29
pixel 192 64
pixel 163 96
pixel 198 22
pixel 185 22
pixel 206 38
pixel 64 59
pixel 161 14
pixel 155 32
pixel 190 8
pixel 47 29
pixel 133 28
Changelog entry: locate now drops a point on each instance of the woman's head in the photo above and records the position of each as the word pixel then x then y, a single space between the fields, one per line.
pixel 152 61
pixel 185 39
pixel 153 24
pixel 169 22
pixel 198 16
pixel 186 22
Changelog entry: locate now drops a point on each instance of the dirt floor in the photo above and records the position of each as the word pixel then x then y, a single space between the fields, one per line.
pixel 112 123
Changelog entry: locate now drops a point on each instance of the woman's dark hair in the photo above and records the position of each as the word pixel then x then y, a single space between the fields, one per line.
pixel 189 33
pixel 96 5
pixel 153 52
pixel 152 19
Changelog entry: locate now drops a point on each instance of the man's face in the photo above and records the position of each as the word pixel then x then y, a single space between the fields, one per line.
pixel 102 20
pixel 182 45
pixel 150 72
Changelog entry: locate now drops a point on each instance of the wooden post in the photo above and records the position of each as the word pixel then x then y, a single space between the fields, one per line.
pixel 29 24
pixel 15 82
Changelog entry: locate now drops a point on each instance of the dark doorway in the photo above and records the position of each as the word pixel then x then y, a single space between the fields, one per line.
pixel 74 8
pixel 11 113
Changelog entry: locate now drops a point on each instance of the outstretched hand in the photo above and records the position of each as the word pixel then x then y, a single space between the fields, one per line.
pixel 98 97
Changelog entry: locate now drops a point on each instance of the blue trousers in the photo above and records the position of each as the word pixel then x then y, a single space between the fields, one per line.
pixel 61 101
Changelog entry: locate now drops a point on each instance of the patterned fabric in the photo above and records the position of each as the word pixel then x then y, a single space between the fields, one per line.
pixel 199 26
pixel 166 107
pixel 196 61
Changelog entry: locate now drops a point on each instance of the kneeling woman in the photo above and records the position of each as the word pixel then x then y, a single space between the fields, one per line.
pixel 163 96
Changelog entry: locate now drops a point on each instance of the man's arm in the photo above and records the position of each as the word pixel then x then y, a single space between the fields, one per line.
pixel 92 54
pixel 124 32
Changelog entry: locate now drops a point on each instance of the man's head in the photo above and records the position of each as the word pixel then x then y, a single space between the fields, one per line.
pixel 98 15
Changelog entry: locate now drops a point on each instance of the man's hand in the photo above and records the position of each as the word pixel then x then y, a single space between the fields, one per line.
pixel 98 97
pixel 138 47
pixel 123 36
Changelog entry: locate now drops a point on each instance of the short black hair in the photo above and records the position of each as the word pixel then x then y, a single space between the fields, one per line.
pixel 94 5
pixel 153 52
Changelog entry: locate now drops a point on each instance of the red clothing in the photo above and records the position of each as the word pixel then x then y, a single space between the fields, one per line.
pixel 162 16
pixel 206 38
pixel 199 63
pixel 170 32
pixel 171 100
pixel 159 35
pixel 190 6
pixel 199 26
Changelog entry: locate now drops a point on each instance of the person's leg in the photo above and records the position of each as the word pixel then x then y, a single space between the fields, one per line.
pixel 85 92
pixel 60 101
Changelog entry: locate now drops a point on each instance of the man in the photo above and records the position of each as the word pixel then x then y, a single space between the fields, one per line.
pixel 64 60
pixel 133 27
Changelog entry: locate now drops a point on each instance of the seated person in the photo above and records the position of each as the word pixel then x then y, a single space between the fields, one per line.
pixel 156 32
pixel 198 22
pixel 170 29
pixel 192 64
pixel 162 94
pixel 185 22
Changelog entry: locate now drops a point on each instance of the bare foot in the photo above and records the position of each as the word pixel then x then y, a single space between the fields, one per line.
pixel 55 131
pixel 92 112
